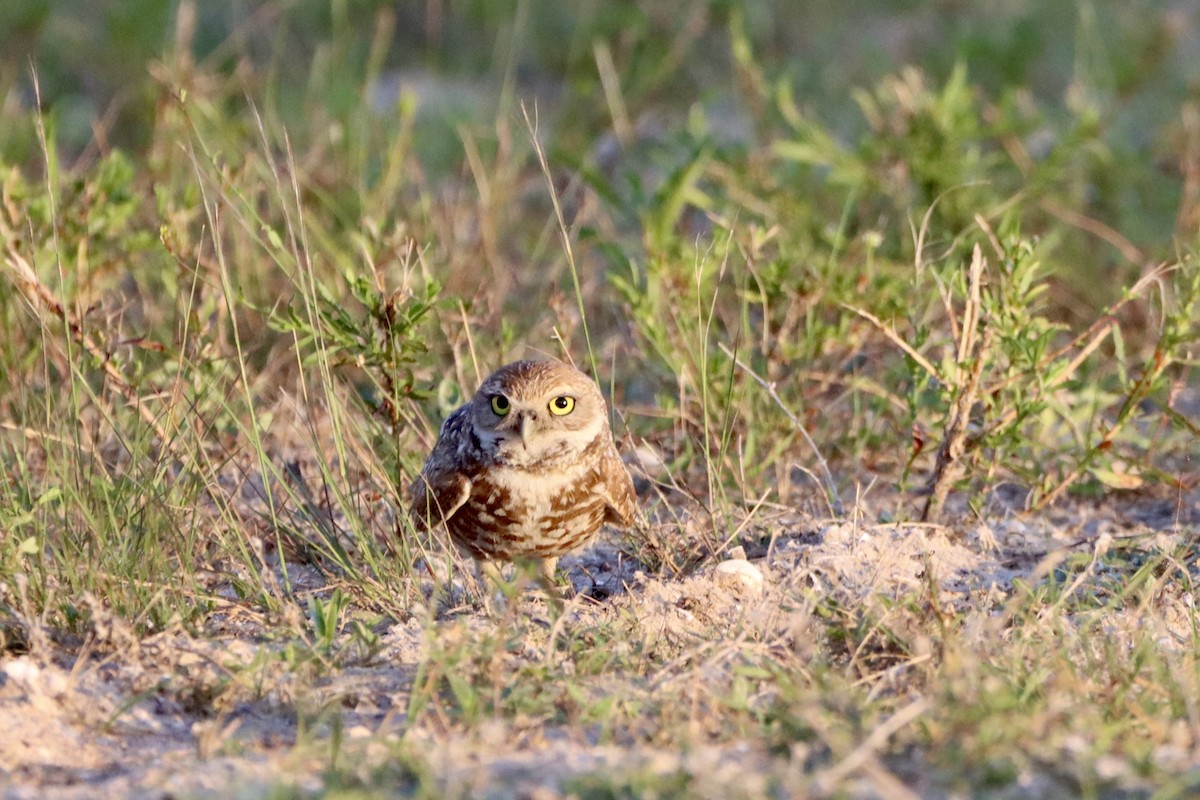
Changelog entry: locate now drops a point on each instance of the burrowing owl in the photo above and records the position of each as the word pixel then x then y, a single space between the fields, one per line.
pixel 527 469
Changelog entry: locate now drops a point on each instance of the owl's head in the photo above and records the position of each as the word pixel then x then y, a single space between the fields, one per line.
pixel 533 410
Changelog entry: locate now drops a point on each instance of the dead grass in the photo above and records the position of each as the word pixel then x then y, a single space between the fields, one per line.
pixel 878 659
pixel 228 347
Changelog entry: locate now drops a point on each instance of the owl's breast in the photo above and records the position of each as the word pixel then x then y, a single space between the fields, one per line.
pixel 511 514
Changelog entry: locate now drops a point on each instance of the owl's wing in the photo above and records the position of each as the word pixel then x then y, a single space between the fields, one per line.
pixel 435 497
pixel 620 500
pixel 441 488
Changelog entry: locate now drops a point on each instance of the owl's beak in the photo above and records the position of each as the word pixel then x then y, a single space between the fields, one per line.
pixel 526 430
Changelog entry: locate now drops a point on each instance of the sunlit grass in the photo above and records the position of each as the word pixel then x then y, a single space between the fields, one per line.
pixel 237 307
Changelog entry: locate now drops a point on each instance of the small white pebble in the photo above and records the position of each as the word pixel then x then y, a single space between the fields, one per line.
pixel 739 575
pixel 22 671
pixel 35 680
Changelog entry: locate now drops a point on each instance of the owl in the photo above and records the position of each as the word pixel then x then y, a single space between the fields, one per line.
pixel 527 469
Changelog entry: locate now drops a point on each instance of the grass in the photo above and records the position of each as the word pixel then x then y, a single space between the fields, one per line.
pixel 940 283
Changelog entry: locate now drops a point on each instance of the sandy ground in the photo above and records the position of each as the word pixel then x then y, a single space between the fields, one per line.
pixel 165 716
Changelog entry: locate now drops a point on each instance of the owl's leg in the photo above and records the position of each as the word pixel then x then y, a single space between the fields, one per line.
pixel 547 569
pixel 547 565
pixel 490 578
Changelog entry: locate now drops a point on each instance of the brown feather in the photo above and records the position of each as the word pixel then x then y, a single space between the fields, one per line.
pixel 503 497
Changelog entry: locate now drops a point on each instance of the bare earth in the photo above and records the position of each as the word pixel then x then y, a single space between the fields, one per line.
pixel 218 715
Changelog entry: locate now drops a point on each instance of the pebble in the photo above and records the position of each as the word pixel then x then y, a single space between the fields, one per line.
pixel 25 672
pixel 739 575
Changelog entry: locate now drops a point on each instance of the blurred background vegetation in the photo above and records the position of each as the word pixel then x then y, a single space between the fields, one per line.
pixel 92 59
pixel 1101 96
pixel 103 70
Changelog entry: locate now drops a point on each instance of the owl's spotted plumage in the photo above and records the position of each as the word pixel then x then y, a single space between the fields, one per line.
pixel 527 468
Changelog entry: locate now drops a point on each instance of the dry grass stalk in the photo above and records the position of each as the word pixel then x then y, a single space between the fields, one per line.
pixel 972 349
pixel 897 340
pixel 41 299
pixel 835 500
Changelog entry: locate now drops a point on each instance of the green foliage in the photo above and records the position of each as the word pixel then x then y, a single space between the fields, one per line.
pixel 326 618
pixel 385 340
pixel 605 786
pixel 229 255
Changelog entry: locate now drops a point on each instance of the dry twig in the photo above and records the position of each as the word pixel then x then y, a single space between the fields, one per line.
pixel 972 349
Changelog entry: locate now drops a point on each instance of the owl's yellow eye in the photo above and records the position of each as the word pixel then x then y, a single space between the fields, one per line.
pixel 562 405
pixel 500 405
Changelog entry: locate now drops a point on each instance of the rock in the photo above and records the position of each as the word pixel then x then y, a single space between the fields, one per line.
pixel 41 681
pixel 647 460
pixel 739 575
pixel 23 672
